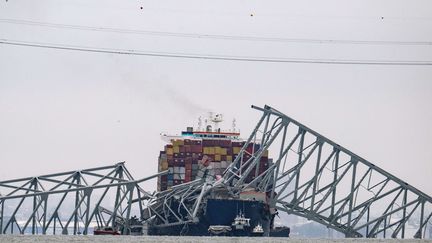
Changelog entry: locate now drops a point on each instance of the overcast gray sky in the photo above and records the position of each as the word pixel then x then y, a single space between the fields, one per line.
pixel 65 110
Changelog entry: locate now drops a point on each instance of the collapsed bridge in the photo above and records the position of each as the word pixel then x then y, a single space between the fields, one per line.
pixel 311 176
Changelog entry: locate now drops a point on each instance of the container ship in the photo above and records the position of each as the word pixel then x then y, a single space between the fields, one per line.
pixel 205 154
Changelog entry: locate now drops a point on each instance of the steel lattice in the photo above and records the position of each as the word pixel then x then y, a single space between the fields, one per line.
pixel 60 202
pixel 320 180
pixel 310 176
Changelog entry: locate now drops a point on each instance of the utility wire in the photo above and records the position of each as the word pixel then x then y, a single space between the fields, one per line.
pixel 209 36
pixel 211 57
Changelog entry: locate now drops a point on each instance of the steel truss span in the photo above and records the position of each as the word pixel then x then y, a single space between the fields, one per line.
pixel 310 176
pixel 320 180
pixel 68 202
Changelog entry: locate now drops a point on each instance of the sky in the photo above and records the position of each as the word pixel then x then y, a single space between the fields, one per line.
pixel 67 110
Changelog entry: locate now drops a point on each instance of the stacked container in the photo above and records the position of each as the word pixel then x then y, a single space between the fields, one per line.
pixel 189 159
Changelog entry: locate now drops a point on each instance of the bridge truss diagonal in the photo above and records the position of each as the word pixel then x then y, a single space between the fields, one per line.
pixel 316 178
pixel 310 176
pixel 70 202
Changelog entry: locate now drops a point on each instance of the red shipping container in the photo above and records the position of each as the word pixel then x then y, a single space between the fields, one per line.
pixel 238 144
pixel 225 143
pixel 229 151
pixel 188 166
pixel 196 149
pixel 188 175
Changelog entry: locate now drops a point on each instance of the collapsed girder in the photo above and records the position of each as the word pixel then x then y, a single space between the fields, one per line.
pixel 316 178
pixel 70 201
pixel 311 176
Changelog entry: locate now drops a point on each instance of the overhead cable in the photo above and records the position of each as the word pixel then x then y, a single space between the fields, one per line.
pixel 211 57
pixel 213 36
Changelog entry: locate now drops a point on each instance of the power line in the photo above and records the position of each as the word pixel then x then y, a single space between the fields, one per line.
pixel 211 57
pixel 210 36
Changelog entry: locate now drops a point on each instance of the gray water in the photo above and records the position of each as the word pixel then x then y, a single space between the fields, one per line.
pixel 183 239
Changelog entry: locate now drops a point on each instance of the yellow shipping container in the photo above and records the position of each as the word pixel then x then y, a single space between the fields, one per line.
pixel 176 149
pixel 178 142
pixel 217 150
pixel 236 150
pixel 205 150
pixel 218 157
pixel 164 165
pixel 223 151
pixel 169 151
pixel 266 153
pixel 209 150
pixel 229 158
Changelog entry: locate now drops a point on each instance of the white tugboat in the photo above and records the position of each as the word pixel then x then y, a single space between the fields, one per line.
pixel 240 222
pixel 258 230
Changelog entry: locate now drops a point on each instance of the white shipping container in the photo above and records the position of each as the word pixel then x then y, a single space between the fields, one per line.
pixel 176 169
pixel 224 164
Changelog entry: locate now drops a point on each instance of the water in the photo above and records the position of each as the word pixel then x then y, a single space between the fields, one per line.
pixel 184 239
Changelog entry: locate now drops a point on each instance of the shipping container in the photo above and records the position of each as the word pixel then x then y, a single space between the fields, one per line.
pixel 190 159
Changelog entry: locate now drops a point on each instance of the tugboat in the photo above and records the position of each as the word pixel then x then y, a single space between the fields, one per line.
pixel 240 222
pixel 258 230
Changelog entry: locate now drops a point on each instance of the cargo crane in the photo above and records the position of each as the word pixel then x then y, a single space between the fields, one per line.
pixel 311 176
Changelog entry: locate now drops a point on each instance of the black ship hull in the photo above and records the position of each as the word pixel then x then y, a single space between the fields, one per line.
pixel 222 213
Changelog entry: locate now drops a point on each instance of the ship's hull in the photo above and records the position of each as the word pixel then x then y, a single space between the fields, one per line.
pixel 220 213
